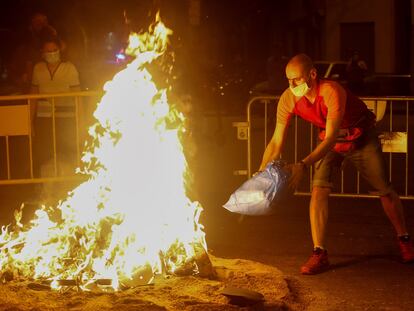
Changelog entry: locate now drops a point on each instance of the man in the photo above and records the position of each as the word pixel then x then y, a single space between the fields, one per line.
pixel 334 109
pixel 27 52
pixel 356 71
pixel 39 29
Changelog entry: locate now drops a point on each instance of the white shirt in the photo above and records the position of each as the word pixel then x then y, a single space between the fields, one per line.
pixel 60 81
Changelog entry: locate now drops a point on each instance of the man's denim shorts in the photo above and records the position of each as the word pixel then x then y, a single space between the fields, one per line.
pixel 367 158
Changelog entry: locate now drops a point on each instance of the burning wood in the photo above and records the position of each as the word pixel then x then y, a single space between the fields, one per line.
pixel 131 220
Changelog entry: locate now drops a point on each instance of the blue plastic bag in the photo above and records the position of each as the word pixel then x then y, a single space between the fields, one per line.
pixel 263 192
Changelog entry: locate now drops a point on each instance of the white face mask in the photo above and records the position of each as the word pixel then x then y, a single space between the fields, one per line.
pixel 52 57
pixel 300 90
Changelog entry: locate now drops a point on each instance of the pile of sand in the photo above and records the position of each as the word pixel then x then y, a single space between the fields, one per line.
pixel 167 293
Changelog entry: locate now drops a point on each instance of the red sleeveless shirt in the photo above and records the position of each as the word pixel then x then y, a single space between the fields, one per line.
pixel 332 101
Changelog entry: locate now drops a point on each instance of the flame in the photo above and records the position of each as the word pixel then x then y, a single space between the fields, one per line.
pixel 131 219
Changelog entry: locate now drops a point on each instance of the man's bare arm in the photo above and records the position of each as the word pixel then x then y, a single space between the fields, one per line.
pixel 332 130
pixel 274 148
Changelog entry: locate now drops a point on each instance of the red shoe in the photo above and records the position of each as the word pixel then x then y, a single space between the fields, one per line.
pixel 406 250
pixel 317 263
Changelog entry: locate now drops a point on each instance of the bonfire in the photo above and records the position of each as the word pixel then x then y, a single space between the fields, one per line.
pixel 131 219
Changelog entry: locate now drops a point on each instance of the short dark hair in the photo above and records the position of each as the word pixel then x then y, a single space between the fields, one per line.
pixel 38 14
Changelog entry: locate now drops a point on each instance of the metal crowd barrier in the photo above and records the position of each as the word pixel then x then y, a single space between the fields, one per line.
pixel 393 116
pixel 17 119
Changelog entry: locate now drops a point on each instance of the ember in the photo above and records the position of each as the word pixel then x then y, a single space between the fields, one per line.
pixel 131 220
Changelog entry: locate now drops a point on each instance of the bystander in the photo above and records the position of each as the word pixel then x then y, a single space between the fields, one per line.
pixel 356 72
pixel 54 75
pixel 27 53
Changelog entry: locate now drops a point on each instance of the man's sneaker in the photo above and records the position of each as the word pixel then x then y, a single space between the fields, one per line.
pixel 406 250
pixel 317 263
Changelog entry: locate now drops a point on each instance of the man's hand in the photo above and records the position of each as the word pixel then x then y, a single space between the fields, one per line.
pixel 297 170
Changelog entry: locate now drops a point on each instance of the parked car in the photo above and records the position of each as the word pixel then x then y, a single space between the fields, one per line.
pixel 334 70
pixel 375 84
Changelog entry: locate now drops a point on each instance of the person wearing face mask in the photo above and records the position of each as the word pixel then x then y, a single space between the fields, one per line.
pixel 50 76
pixel 347 131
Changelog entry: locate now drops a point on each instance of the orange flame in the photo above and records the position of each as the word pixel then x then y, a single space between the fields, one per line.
pixel 131 219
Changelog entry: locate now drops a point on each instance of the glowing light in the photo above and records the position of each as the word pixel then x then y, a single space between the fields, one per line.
pixel 120 56
pixel 131 219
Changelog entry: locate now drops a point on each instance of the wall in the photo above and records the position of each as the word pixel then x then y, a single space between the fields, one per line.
pixel 381 12
pixel 412 48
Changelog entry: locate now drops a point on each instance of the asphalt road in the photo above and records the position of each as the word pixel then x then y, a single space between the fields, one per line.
pixel 366 273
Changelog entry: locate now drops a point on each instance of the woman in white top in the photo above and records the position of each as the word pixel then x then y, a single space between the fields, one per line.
pixel 52 75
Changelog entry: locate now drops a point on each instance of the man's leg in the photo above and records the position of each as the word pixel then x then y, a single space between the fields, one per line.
pixel 394 210
pixel 370 163
pixel 321 188
pixel 318 212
